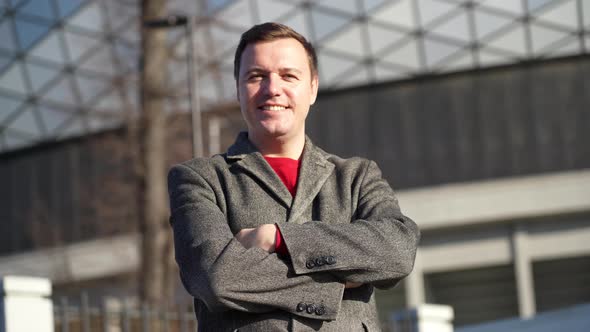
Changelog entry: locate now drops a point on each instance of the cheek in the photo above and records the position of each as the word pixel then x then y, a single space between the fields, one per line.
pixel 245 97
pixel 294 95
pixel 300 97
pixel 251 93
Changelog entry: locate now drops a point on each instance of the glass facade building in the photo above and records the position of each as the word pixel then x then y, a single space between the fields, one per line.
pixel 70 67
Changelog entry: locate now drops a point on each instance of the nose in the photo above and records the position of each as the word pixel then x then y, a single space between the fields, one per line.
pixel 273 85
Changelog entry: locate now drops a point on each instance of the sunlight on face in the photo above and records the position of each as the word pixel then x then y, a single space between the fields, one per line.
pixel 276 89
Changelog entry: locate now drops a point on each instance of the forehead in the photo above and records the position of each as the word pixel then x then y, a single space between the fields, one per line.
pixel 285 52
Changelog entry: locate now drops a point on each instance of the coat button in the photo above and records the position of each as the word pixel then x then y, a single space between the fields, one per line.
pixel 311 308
pixel 301 307
pixel 320 310
pixel 320 261
pixel 331 260
pixel 310 264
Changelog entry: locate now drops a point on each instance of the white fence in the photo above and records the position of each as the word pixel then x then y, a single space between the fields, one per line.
pixel 27 306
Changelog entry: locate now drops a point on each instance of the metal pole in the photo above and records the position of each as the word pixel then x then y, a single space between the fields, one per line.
pixel 105 316
pixel 164 319
pixel 193 90
pixel 65 319
pixel 85 312
pixel 145 317
pixel 182 319
pixel 126 326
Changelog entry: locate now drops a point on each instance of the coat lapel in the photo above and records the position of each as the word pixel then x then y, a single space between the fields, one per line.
pixel 251 161
pixel 315 170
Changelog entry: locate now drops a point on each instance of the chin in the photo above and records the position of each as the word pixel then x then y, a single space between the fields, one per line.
pixel 273 131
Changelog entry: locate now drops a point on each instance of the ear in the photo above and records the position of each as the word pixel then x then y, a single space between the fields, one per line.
pixel 237 91
pixel 314 89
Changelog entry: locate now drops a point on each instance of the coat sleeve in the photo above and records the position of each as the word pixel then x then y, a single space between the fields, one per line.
pixel 378 247
pixel 217 269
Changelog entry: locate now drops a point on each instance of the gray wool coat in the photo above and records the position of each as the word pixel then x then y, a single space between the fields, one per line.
pixel 344 224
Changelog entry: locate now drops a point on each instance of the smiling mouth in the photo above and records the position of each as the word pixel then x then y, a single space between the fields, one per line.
pixel 273 108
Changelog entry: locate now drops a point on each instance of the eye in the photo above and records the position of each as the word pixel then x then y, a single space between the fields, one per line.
pixel 291 77
pixel 254 77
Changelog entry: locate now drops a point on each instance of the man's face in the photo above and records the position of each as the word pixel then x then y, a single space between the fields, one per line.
pixel 276 89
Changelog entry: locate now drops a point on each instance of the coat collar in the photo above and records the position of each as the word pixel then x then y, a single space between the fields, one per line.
pixel 241 147
pixel 315 170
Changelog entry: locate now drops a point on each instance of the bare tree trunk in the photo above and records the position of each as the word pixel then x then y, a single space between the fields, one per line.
pixel 155 288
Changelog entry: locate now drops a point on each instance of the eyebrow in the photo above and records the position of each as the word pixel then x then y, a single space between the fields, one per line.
pixel 255 69
pixel 288 69
pixel 260 70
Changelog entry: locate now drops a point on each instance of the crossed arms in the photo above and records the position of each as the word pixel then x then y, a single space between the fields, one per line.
pixel 264 237
pixel 240 272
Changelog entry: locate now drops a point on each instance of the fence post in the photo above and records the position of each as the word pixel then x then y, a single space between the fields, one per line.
pixel 105 313
pixel 424 318
pixel 182 319
pixel 164 318
pixel 85 317
pixel 65 315
pixel 125 316
pixel 145 317
pixel 25 304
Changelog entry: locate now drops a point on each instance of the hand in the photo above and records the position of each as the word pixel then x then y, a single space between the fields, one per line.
pixel 351 284
pixel 262 237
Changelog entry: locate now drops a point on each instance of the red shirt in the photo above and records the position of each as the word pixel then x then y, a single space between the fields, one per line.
pixel 288 170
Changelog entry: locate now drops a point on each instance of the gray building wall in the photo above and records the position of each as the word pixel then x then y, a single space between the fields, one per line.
pixel 524 119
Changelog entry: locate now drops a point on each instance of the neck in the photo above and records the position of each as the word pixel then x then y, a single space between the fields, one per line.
pixel 278 146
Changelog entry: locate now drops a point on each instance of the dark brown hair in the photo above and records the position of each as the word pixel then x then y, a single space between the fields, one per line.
pixel 272 31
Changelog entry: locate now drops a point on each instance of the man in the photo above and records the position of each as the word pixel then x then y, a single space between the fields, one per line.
pixel 276 234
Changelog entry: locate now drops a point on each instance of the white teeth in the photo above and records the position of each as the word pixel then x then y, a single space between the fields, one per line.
pixel 273 107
